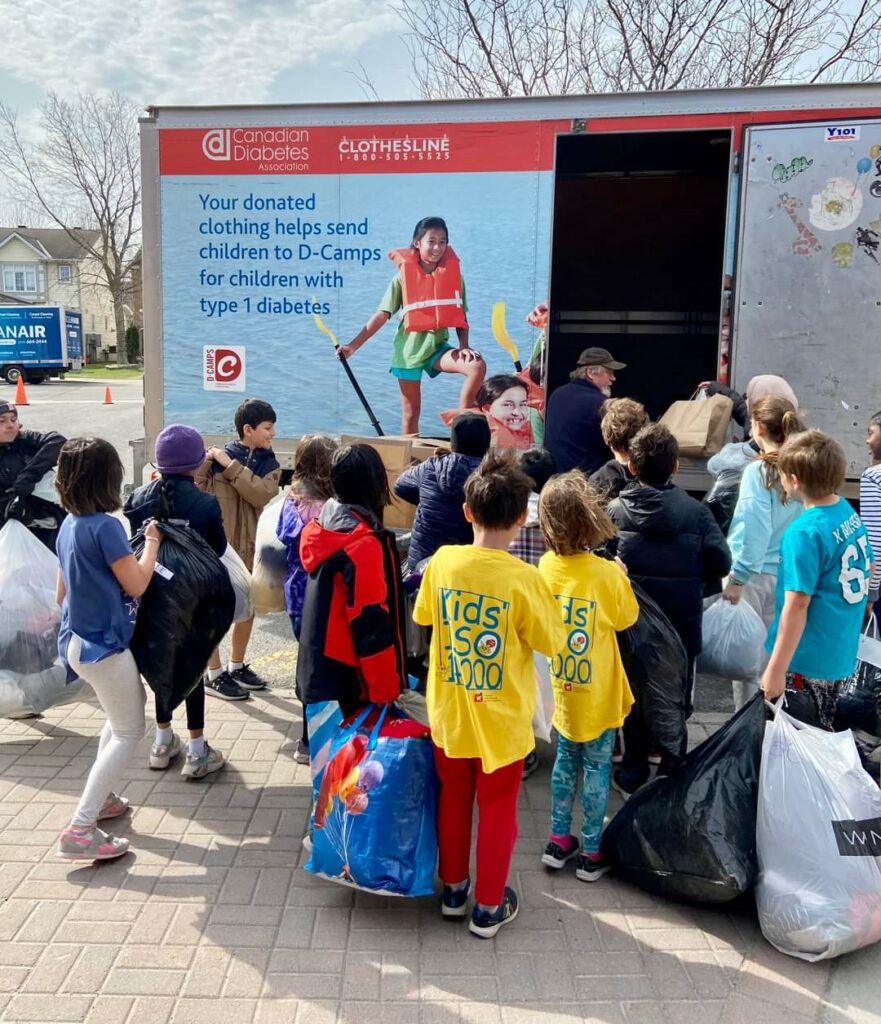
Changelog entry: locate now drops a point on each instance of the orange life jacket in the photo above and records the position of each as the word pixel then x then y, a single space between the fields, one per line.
pixel 430 301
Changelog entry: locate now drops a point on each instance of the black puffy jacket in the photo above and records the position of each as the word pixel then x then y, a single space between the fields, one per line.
pixel 437 488
pixel 24 462
pixel 672 547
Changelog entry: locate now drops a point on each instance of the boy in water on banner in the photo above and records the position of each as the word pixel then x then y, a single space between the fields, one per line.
pixel 489 612
pixel 429 292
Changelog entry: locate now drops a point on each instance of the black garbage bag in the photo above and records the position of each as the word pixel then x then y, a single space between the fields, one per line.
pixel 657 669
pixel 859 706
pixel 184 612
pixel 692 835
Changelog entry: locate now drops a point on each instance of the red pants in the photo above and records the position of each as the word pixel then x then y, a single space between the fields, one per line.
pixel 461 778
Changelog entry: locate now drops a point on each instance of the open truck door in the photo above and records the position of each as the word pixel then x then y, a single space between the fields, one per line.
pixel 808 281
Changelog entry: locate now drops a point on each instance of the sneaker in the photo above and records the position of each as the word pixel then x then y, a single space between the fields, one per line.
pixel 486 924
pixel 247 679
pixel 453 901
pixel 301 754
pixel 90 844
pixel 618 749
pixel 654 757
pixel 530 764
pixel 23 716
pixel 162 754
pixel 225 687
pixel 556 856
pixel 114 807
pixel 198 767
pixel 587 870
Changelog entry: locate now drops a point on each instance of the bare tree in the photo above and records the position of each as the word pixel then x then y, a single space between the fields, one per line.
pixel 472 48
pixel 83 170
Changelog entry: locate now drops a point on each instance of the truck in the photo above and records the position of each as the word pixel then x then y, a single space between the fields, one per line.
pixel 37 342
pixel 697 235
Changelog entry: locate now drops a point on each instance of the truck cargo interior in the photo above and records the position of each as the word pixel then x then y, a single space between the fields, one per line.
pixel 638 257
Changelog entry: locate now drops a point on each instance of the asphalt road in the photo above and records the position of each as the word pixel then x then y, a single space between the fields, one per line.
pixel 76 407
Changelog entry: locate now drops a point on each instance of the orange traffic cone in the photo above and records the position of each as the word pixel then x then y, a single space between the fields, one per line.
pixel 108 400
pixel 21 397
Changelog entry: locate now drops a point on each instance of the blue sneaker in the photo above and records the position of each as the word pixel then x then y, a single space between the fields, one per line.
pixel 486 924
pixel 453 901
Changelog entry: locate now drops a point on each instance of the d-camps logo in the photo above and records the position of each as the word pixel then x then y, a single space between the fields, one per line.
pixel 223 369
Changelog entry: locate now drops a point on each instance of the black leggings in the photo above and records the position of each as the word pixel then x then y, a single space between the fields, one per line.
pixel 195 705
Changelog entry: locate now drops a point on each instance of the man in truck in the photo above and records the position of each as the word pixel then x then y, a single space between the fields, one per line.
pixel 25 458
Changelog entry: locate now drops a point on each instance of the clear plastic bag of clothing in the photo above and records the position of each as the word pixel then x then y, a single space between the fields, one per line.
pixel 32 677
pixel 270 562
pixel 241 584
pixel 184 613
pixel 692 835
pixel 819 843
pixel 658 672
pixel 733 640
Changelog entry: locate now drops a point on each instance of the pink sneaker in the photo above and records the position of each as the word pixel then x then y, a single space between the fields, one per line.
pixel 114 807
pixel 90 844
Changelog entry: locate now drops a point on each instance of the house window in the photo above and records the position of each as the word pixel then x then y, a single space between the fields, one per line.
pixel 65 273
pixel 20 277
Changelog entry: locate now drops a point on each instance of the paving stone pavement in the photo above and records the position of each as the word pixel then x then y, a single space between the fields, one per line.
pixel 213 921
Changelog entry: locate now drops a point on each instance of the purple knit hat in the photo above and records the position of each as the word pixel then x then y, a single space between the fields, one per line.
pixel 179 449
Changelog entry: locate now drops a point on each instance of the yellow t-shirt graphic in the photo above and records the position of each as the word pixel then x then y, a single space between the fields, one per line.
pixel 595 599
pixel 489 612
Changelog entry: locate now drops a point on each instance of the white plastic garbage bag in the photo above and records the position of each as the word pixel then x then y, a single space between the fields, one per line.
pixel 818 835
pixel 241 583
pixel 45 487
pixel 733 640
pixel 37 691
pixel 543 716
pixel 270 562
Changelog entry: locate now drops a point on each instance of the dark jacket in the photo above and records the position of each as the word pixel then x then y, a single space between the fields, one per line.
pixel 610 480
pixel 182 500
pixel 671 546
pixel 739 413
pixel 352 646
pixel 572 431
pixel 24 462
pixel 437 488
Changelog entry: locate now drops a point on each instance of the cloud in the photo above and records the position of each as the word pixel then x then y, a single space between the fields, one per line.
pixel 182 51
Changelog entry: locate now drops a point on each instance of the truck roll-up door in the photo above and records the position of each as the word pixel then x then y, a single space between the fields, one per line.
pixel 808 283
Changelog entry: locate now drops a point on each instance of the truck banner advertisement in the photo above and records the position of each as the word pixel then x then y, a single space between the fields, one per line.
pixel 275 240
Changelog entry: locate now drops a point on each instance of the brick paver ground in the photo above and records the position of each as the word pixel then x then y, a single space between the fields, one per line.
pixel 212 920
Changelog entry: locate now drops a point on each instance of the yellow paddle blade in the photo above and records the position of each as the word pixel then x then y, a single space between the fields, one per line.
pixel 322 326
pixel 500 332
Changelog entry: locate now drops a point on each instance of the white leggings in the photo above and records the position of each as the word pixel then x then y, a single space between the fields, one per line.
pixel 117 683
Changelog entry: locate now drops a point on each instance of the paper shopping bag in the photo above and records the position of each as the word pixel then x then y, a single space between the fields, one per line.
pixel 699 425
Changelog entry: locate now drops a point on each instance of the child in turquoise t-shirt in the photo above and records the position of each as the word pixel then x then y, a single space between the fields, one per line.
pixel 822 585
pixel 425 351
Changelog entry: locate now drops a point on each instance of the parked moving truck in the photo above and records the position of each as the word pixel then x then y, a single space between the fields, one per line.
pixel 37 342
pixel 697 235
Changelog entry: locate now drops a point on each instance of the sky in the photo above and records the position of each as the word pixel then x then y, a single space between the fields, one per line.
pixel 202 51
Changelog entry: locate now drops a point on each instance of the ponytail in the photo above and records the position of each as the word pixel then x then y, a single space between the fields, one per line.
pixel 166 498
pixel 780 420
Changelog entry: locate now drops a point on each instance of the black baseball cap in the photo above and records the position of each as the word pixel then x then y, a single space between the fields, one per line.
pixel 6 407
pixel 599 357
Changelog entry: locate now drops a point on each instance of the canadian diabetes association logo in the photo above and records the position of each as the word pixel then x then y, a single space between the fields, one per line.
pixel 223 369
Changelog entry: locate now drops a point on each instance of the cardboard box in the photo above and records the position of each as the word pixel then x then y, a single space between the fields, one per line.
pixel 399 452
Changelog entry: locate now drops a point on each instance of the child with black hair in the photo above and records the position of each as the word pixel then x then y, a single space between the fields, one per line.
pixel 672 547
pixel 99 585
pixel 539 465
pixel 179 452
pixel 352 637
pixel 504 400
pixel 437 488
pixel 429 292
pixel 243 476
pixel 309 491
pixel 489 612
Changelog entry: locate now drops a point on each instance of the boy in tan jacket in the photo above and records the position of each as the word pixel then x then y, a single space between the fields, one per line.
pixel 244 477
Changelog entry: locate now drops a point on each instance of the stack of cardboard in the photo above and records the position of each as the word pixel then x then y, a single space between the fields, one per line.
pixel 398 453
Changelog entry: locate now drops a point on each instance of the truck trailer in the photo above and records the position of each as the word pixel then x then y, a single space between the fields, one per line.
pixel 697 235
pixel 37 342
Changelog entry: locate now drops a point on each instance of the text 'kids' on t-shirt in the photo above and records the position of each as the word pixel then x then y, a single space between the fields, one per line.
pixel 489 612
pixel 595 599
pixel 826 554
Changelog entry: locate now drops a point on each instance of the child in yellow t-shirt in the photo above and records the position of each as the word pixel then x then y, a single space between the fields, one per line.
pixel 489 612
pixel 591 693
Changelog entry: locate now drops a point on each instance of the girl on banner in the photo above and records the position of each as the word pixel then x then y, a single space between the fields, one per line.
pixel 429 293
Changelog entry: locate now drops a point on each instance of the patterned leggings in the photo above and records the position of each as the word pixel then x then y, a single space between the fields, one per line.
pixel 814 701
pixel 594 759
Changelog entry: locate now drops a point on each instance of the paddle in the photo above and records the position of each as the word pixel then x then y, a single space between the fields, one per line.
pixel 500 333
pixel 319 323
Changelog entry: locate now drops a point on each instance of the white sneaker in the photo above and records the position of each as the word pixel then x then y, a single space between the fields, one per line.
pixel 162 754
pixel 198 767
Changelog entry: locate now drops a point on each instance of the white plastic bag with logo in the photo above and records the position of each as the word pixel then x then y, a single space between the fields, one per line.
pixel 733 640
pixel 818 835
